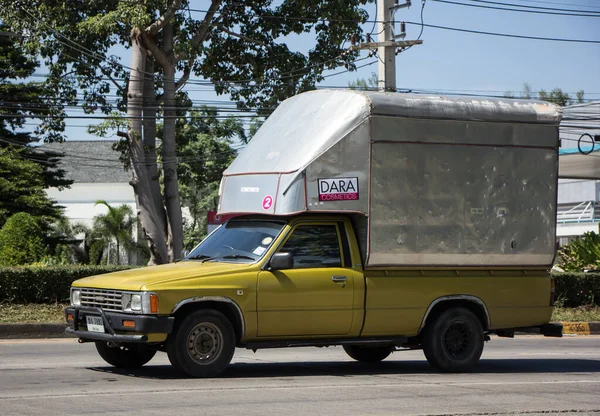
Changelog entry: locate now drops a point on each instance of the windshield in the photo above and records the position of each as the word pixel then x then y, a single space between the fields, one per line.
pixel 239 241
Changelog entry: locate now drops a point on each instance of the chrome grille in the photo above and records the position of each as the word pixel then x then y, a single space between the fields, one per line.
pixel 109 300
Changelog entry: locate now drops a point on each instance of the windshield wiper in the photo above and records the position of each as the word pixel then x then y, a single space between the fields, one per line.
pixel 206 258
pixel 199 257
pixel 236 256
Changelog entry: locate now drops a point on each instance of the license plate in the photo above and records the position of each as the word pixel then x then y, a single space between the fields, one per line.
pixel 95 323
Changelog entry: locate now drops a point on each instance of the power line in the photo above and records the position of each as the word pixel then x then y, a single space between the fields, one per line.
pixel 594 14
pixel 508 35
pixel 283 76
pixel 561 4
pixel 64 156
pixel 532 7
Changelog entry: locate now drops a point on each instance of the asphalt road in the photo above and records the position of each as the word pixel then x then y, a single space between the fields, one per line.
pixel 527 375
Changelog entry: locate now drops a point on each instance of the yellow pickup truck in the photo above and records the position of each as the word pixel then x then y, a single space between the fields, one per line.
pixel 370 220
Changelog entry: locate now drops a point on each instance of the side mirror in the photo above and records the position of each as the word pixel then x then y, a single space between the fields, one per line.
pixel 282 261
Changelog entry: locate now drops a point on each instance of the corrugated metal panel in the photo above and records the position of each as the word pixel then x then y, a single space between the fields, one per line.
pixel 463 108
pixel 462 205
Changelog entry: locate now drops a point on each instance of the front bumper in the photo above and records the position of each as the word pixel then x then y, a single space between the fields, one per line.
pixel 113 325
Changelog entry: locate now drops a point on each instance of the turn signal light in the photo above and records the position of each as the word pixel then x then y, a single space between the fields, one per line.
pixel 153 303
pixel 128 324
pixel 69 317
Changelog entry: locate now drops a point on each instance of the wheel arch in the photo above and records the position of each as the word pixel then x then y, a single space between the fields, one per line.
pixel 225 305
pixel 472 303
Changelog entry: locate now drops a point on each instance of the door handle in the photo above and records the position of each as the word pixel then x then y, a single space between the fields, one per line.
pixel 339 279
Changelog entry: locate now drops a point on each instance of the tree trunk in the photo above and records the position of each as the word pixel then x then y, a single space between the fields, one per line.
pixel 151 221
pixel 150 140
pixel 169 156
pixel 118 254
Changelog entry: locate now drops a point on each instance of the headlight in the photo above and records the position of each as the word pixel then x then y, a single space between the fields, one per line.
pixel 145 302
pixel 75 297
pixel 136 303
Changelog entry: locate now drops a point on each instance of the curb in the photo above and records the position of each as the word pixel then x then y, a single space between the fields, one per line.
pixel 581 328
pixel 14 331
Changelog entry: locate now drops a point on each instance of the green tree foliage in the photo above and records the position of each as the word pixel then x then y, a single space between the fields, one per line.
pixel 239 46
pixel 22 188
pixel 21 240
pixel 527 92
pixel 372 83
pixel 115 226
pixel 581 254
pixel 556 96
pixel 24 101
pixel 65 245
pixel 204 142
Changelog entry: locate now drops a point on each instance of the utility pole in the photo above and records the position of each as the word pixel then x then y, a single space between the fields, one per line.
pixel 388 42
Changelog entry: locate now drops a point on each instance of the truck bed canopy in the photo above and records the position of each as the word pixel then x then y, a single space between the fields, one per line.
pixel 305 126
pixel 440 180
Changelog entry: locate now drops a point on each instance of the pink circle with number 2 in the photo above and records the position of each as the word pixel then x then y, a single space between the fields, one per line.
pixel 267 202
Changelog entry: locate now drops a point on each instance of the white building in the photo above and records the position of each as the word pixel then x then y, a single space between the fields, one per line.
pixel 579 191
pixel 97 174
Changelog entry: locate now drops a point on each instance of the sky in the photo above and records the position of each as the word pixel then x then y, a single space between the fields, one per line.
pixel 450 61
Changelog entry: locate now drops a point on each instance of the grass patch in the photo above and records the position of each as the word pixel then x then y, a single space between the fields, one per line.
pixel 579 314
pixel 32 313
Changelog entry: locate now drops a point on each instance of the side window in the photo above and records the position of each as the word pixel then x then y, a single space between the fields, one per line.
pixel 314 246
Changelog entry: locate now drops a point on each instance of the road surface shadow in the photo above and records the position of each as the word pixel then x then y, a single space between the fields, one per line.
pixel 342 369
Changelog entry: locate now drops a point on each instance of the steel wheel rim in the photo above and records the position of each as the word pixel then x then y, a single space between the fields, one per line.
pixel 457 340
pixel 205 343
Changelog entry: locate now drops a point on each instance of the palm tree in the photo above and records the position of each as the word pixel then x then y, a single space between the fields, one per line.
pixel 117 224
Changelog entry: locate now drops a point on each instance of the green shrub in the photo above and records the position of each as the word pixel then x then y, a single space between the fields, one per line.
pixel 43 284
pixel 581 254
pixel 577 289
pixel 21 240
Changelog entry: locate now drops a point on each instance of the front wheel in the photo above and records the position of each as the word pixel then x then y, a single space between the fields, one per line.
pixel 125 355
pixel 453 342
pixel 202 345
pixel 365 354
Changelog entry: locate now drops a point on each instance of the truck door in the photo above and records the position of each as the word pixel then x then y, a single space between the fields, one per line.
pixel 315 297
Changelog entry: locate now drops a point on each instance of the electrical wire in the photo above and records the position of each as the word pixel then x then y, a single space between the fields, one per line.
pixel 594 14
pixel 507 35
pixel 562 4
pixel 284 76
pixel 532 7
pixel 422 27
pixel 55 153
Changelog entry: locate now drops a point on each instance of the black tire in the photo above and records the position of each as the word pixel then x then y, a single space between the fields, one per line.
pixel 369 355
pixel 125 355
pixel 202 345
pixel 453 342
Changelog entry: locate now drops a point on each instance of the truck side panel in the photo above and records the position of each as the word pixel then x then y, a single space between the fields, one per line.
pixel 396 301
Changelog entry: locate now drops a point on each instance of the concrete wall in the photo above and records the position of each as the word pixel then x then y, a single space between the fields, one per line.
pixel 575 191
pixel 79 201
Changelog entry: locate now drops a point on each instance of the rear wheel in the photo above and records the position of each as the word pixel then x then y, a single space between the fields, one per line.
pixel 202 345
pixel 453 342
pixel 125 355
pixel 365 354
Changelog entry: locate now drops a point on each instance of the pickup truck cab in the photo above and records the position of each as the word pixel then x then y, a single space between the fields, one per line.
pixel 369 220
